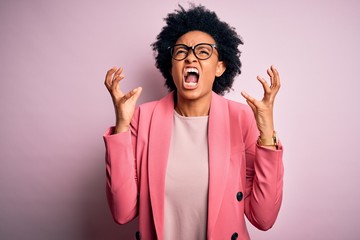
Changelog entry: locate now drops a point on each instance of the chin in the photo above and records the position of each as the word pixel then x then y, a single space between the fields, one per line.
pixel 193 94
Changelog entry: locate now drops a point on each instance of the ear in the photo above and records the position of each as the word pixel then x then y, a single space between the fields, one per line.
pixel 220 69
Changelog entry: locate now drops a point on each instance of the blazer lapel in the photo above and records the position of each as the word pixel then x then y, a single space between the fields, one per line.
pixel 219 156
pixel 159 144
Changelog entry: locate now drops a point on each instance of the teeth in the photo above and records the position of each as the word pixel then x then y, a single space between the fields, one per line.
pixel 191 84
pixel 191 70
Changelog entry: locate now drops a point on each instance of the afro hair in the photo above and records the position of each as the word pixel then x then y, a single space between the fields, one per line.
pixel 199 18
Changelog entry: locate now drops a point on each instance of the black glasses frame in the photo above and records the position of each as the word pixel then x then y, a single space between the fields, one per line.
pixel 188 48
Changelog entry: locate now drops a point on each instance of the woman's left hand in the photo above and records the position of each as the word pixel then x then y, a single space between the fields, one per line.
pixel 263 110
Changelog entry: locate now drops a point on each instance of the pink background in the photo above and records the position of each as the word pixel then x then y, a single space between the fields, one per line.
pixel 54 108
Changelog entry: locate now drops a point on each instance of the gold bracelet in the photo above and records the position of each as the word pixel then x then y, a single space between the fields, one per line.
pixel 268 141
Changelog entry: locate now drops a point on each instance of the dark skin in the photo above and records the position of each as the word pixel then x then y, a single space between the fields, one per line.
pixel 195 100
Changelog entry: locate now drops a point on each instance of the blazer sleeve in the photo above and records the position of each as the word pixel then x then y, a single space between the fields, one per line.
pixel 121 174
pixel 264 180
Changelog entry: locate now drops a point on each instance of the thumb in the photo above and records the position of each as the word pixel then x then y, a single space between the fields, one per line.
pixel 133 95
pixel 137 93
pixel 252 106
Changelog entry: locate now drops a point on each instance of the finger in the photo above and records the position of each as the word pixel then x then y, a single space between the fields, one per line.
pixel 250 100
pixel 267 89
pixel 117 77
pixel 275 83
pixel 133 94
pixel 248 97
pixel 252 106
pixel 271 75
pixel 137 94
pixel 276 76
pixel 115 86
pixel 108 77
pixel 118 72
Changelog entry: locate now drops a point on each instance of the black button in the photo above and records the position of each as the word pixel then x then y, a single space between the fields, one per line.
pixel 239 196
pixel 234 236
pixel 137 235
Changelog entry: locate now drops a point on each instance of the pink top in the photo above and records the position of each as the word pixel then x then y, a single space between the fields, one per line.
pixel 244 178
pixel 186 181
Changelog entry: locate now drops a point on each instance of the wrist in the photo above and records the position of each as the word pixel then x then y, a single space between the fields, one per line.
pixel 268 141
pixel 266 128
pixel 121 128
pixel 267 134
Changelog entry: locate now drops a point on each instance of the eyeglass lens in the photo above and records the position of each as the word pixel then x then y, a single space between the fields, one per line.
pixel 202 51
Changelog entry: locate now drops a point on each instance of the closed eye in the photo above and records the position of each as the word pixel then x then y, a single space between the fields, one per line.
pixel 180 51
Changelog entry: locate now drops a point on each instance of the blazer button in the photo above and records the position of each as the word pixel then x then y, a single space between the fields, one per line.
pixel 239 196
pixel 137 235
pixel 234 236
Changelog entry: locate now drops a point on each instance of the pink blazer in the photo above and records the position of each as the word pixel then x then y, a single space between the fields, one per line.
pixel 244 178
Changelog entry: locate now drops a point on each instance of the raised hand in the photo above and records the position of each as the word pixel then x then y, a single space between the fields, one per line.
pixel 263 109
pixel 124 104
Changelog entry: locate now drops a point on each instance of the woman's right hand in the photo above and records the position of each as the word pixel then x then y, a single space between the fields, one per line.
pixel 124 104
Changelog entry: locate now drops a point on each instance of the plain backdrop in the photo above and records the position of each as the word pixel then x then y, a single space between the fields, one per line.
pixel 54 108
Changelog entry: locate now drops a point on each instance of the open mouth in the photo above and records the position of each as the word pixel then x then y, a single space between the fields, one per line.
pixel 191 78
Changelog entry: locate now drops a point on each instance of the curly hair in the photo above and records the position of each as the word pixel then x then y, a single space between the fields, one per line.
pixel 199 18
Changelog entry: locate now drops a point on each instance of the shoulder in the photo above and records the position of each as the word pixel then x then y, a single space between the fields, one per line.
pixel 147 113
pixel 165 102
pixel 146 110
pixel 148 106
pixel 143 112
pixel 240 113
pixel 236 108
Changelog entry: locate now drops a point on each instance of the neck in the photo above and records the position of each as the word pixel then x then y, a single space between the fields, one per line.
pixel 193 108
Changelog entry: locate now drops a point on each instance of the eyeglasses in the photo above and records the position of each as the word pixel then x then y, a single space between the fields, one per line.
pixel 202 51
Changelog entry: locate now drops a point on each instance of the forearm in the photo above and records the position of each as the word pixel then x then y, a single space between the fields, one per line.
pixel 121 185
pixel 265 187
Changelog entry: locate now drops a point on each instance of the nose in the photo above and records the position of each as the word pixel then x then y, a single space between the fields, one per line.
pixel 191 56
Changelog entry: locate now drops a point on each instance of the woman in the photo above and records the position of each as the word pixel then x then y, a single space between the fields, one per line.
pixel 192 164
